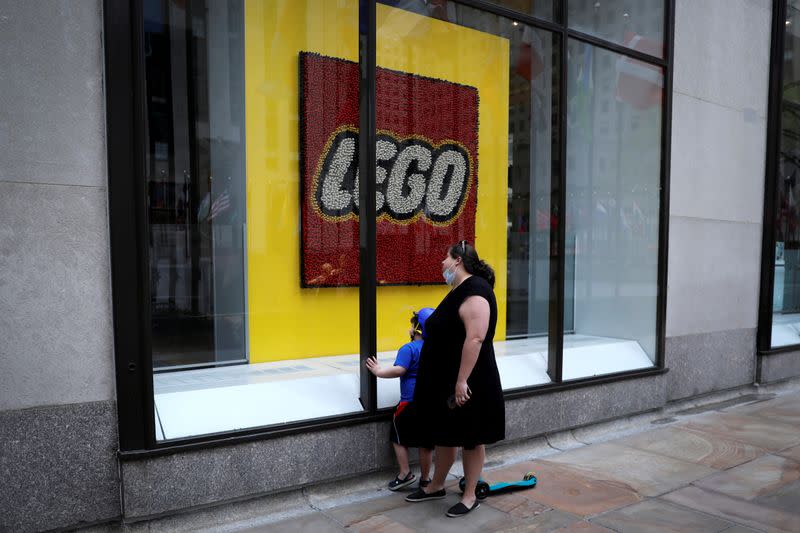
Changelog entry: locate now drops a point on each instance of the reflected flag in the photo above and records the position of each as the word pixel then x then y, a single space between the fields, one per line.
pixel 530 59
pixel 640 84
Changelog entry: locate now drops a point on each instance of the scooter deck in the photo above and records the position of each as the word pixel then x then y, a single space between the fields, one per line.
pixel 484 489
pixel 509 486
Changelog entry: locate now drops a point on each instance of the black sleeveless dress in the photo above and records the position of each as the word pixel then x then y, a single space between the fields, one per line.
pixel 481 420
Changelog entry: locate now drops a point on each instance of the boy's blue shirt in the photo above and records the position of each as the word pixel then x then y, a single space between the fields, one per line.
pixel 408 358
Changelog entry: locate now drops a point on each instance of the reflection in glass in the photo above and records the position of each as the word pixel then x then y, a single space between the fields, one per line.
pixel 545 9
pixel 532 141
pixel 196 182
pixel 243 268
pixel 786 288
pixel 613 195
pixel 637 24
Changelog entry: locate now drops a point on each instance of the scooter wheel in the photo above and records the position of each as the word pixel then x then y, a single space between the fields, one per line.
pixel 529 476
pixel 462 483
pixel 482 490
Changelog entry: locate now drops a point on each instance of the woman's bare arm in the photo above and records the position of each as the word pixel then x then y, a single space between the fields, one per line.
pixel 474 313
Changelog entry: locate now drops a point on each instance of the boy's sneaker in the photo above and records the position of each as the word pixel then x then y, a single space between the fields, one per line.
pixel 397 483
pixel 420 495
pixel 424 482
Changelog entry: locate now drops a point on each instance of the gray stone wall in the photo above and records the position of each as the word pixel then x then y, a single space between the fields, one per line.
pixel 719 131
pixel 55 304
pixel 57 412
pixel 779 366
pixel 58 466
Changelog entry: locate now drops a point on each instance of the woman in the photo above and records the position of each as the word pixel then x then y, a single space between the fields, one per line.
pixel 458 391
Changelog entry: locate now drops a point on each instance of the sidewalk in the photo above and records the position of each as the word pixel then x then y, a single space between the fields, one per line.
pixel 728 462
pixel 731 466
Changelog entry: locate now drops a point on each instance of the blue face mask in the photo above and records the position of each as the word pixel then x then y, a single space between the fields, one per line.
pixel 449 276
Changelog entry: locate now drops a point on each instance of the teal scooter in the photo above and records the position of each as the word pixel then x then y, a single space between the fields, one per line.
pixel 483 489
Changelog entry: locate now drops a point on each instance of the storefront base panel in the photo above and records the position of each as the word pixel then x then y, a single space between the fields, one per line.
pixel 708 362
pixel 779 366
pixel 166 484
pixel 557 411
pixel 59 465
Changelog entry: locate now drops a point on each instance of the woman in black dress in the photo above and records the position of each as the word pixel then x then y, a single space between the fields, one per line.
pixel 458 392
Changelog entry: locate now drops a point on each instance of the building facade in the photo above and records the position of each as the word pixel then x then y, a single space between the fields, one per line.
pixel 188 286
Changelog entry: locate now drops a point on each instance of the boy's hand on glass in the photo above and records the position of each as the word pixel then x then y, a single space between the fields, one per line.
pixel 373 366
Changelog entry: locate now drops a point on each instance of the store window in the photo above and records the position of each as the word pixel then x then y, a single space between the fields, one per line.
pixel 612 219
pixel 254 318
pixel 489 82
pixel 540 146
pixel 786 264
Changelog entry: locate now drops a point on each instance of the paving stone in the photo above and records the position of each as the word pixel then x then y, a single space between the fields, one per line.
pixel 647 473
pixel 357 512
pixel 735 510
pixel 782 409
pixel 316 522
pixel 379 524
pixel 791 453
pixel 545 522
pixel 786 498
pixel 760 477
pixel 583 527
pixel 768 434
pixel 694 446
pixel 430 516
pixel 517 505
pixel 571 491
pixel 656 516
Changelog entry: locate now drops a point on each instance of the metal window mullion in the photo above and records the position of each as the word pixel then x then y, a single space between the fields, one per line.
pixel 512 14
pixel 146 329
pixel 664 189
pixel 367 191
pixel 619 48
pixel 128 222
pixel 771 180
pixel 558 200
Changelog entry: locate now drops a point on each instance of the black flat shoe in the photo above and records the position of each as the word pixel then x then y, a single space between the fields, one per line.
pixel 397 483
pixel 460 509
pixel 419 495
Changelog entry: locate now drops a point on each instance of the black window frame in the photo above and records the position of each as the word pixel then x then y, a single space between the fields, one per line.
pixel 771 168
pixel 125 109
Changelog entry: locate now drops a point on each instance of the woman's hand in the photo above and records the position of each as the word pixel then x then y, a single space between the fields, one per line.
pixel 373 366
pixel 462 393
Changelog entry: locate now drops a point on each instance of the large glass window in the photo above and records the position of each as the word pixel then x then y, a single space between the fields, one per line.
pixel 253 178
pixel 786 288
pixel 613 196
pixel 250 153
pixel 488 83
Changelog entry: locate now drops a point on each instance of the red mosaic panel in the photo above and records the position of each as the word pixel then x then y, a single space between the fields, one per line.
pixel 427 157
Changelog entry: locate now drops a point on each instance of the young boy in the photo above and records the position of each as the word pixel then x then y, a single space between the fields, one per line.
pixel 403 432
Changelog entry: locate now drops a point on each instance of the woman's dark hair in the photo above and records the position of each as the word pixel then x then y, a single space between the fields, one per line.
pixel 472 263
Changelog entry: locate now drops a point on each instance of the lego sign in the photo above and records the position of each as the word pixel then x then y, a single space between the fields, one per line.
pixel 426 173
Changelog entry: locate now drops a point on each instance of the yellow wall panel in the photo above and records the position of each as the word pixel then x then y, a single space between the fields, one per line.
pixel 285 321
